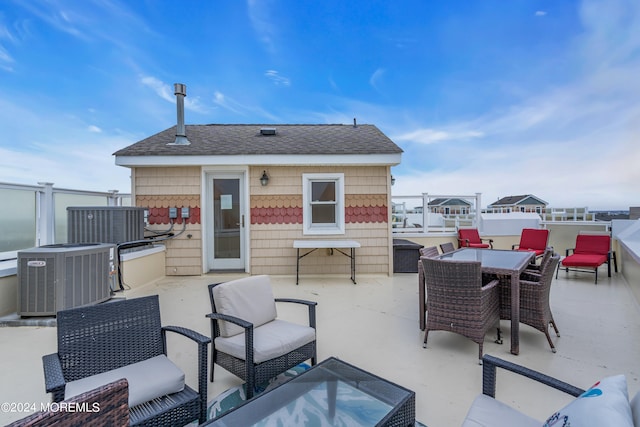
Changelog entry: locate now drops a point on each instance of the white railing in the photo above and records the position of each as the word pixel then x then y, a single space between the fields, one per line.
pixel 420 215
pixel 35 215
pixel 433 213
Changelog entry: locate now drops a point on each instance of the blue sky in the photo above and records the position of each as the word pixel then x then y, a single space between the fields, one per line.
pixel 496 97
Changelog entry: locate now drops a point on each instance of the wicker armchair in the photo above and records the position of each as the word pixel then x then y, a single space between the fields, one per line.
pixel 447 247
pixel 106 406
pixel 429 252
pixel 533 271
pixel 99 342
pixel 248 339
pixel 458 301
pixel 534 300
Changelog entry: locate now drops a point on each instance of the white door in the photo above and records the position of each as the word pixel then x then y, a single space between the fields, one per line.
pixel 226 220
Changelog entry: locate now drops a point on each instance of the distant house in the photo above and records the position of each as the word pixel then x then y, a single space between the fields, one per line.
pixel 251 189
pixel 524 203
pixel 449 206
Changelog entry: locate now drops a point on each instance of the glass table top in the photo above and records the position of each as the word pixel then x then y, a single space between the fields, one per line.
pixel 494 258
pixel 332 393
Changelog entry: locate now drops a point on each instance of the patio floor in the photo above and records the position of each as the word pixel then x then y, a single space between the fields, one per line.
pixel 374 325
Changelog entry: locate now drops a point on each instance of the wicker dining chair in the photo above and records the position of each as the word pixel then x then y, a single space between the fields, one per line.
pixel 447 247
pixel 428 252
pixel 458 300
pixel 535 310
pixel 533 271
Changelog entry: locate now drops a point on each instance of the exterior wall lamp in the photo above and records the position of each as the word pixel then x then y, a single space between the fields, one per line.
pixel 393 180
pixel 264 179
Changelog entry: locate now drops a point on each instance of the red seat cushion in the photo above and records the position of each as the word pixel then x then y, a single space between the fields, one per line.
pixel 476 245
pixel 533 239
pixel 592 244
pixel 584 260
pixel 537 251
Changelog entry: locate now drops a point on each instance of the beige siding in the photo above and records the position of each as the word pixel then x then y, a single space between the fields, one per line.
pixel 272 249
pixel 165 187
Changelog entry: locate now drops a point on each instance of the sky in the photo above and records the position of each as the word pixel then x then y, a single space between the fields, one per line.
pixel 494 97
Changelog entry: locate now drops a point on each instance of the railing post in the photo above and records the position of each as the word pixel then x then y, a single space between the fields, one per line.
pixel 45 219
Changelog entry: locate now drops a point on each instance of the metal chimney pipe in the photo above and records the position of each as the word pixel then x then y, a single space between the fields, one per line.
pixel 180 91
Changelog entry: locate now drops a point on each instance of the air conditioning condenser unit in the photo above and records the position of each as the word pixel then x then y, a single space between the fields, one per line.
pixel 58 277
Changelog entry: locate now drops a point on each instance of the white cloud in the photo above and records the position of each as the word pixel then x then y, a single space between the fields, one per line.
pixel 540 13
pixel 94 129
pixel 375 78
pixel 277 78
pixel 431 136
pixel 263 25
pixel 166 92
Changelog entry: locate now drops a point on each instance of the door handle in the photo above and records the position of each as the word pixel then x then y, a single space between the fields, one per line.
pixel 241 223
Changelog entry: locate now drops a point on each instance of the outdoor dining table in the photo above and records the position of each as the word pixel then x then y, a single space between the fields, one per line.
pixel 496 261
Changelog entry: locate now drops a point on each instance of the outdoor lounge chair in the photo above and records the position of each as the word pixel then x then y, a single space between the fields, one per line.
pixel 534 240
pixel 105 406
pixel 458 301
pixel 429 252
pixel 124 339
pixel 248 339
pixel 470 238
pixel 590 252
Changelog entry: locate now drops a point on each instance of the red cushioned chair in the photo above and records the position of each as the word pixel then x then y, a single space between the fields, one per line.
pixel 470 238
pixel 533 240
pixel 591 252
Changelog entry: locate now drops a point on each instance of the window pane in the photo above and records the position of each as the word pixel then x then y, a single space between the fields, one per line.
pixel 323 214
pixel 323 191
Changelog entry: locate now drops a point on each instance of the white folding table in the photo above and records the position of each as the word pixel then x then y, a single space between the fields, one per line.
pixel 314 244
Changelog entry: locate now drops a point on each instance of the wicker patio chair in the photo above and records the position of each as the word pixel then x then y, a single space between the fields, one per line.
pixel 429 252
pixel 458 301
pixel 447 247
pixel 248 339
pixel 534 300
pixel 105 406
pixel 533 271
pixel 97 343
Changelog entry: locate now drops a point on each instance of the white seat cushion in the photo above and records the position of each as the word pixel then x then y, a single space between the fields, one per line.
pixel 488 412
pixel 148 379
pixel 249 298
pixel 270 340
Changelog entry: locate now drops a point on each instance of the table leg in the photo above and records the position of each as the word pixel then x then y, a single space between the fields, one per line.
pixel 353 265
pixel 297 265
pixel 515 313
pixel 421 307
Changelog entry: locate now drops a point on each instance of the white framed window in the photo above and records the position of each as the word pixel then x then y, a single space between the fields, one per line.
pixel 323 203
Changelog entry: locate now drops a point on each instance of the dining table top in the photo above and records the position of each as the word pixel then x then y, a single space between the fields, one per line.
pixel 494 259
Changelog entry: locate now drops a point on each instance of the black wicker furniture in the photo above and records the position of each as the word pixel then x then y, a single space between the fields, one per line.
pixel 458 300
pixel 248 339
pixel 105 406
pixel 101 343
pixel 332 392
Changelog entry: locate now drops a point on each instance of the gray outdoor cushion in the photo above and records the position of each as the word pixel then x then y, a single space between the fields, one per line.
pixel 270 340
pixel 148 379
pixel 488 412
pixel 249 298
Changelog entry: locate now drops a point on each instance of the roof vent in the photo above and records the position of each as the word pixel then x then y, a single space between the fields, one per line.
pixel 180 91
pixel 267 131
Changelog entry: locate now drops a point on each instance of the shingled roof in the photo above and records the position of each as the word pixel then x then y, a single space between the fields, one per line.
pixel 246 139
